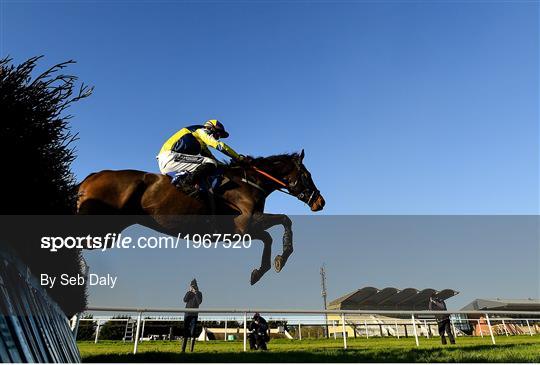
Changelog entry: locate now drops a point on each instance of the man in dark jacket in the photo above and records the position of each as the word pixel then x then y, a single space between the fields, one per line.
pixel 258 333
pixel 443 320
pixel 193 299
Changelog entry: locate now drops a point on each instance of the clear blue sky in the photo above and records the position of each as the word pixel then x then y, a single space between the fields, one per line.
pixel 402 107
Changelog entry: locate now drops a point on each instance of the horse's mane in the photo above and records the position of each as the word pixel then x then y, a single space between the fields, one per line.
pixel 264 161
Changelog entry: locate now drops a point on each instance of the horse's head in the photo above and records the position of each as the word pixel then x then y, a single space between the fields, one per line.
pixel 300 183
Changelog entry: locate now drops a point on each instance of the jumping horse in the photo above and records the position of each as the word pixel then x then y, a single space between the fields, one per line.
pixel 151 200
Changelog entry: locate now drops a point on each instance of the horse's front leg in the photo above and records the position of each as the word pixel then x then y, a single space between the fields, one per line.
pixel 264 221
pixel 266 262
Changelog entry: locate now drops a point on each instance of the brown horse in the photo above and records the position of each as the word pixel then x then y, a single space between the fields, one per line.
pixel 151 200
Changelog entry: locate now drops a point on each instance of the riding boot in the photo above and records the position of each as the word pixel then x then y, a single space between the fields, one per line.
pixel 184 344
pixel 192 344
pixel 201 173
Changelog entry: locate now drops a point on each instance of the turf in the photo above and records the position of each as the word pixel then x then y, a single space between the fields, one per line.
pixel 507 349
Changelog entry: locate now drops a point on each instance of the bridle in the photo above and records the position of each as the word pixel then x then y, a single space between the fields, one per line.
pixel 307 193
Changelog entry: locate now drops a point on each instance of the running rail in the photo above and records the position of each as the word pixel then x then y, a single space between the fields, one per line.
pixel 415 321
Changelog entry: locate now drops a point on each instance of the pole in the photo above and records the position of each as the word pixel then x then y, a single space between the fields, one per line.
pixel 225 331
pixel 334 329
pixel 490 329
pixel 137 333
pixel 529 327
pixel 299 331
pixel 453 326
pixel 365 325
pixel 97 332
pixel 504 326
pixel 414 330
pixel 480 326
pixel 323 294
pixel 75 326
pixel 397 330
pixel 245 331
pixel 142 330
pixel 344 331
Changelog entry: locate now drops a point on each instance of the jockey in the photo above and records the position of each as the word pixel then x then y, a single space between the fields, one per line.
pixel 186 152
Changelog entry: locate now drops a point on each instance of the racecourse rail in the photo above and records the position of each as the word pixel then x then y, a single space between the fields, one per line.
pixel 414 317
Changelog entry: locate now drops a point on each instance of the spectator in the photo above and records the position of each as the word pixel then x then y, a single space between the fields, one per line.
pixel 259 333
pixel 193 299
pixel 443 320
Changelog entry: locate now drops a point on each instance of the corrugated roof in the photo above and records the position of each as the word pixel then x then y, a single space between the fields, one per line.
pixel 389 298
pixel 503 304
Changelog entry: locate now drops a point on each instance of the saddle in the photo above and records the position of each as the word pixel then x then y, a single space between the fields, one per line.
pixel 212 184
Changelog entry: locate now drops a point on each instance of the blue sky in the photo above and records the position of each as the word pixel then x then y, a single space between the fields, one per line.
pixel 403 107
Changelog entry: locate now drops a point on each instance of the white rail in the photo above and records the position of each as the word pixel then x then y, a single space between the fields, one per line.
pixel 414 321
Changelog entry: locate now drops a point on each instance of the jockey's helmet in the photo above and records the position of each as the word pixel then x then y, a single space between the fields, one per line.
pixel 215 126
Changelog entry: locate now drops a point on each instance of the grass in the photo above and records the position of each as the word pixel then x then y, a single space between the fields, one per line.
pixel 470 349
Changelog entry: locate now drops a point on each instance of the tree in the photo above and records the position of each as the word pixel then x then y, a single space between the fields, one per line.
pixel 36 153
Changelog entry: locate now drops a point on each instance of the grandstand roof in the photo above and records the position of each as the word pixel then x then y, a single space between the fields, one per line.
pixel 503 304
pixel 389 299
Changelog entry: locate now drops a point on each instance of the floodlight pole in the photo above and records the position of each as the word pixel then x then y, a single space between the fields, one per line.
pixel 323 293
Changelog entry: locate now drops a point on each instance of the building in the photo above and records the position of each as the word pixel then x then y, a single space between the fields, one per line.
pixel 503 324
pixel 370 298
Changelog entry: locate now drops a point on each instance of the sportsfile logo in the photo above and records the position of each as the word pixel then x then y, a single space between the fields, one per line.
pixel 118 240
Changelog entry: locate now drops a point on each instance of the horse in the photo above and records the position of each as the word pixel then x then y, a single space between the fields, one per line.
pixel 153 201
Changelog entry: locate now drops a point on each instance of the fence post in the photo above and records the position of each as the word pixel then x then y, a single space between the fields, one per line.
pixel 137 333
pixel 142 330
pixel 245 331
pixel 344 331
pixel 97 331
pixel 453 326
pixel 427 329
pixel 490 329
pixel 397 330
pixel 505 330
pixel 365 325
pixel 529 327
pixel 414 330
pixel 299 331
pixel 334 328
pixel 225 332
pixel 75 325
pixel 480 326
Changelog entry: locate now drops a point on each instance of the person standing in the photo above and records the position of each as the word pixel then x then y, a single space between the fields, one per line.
pixel 193 299
pixel 443 320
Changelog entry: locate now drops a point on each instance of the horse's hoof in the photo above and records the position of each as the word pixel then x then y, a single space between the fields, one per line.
pixel 278 263
pixel 254 276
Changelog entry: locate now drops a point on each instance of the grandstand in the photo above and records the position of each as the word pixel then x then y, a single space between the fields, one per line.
pixel 370 298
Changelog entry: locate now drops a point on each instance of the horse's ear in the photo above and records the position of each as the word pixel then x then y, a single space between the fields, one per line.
pixel 301 155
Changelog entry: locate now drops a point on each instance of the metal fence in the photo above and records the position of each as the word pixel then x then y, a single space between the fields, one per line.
pixel 417 319
pixel 33 328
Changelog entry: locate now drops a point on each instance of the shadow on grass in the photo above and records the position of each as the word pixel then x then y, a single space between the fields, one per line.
pixel 479 353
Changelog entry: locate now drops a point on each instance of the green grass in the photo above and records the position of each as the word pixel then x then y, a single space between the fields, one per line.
pixel 507 349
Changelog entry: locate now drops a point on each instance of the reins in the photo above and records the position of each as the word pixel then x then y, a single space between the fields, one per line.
pixel 274 179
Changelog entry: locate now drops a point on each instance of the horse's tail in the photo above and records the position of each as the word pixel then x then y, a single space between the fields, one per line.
pixel 80 193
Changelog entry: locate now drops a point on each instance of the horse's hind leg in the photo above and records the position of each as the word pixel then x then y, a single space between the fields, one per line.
pixel 266 263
